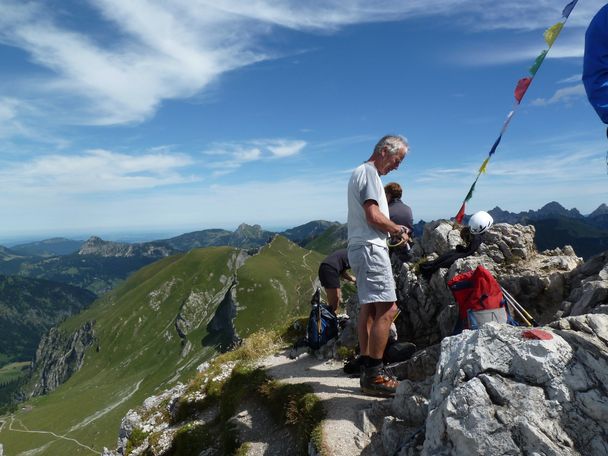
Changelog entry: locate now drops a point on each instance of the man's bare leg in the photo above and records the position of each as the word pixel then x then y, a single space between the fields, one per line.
pixel 364 324
pixel 333 298
pixel 378 336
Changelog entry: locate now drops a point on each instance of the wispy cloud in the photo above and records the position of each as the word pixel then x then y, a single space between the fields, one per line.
pixel 565 95
pixel 175 49
pixel 571 79
pixel 234 154
pixel 95 171
pixel 553 167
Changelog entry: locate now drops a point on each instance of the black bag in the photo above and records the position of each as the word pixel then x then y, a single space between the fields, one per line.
pixel 322 323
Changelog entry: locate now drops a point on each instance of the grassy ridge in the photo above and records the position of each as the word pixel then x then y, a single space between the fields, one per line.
pixel 138 352
pixel 274 285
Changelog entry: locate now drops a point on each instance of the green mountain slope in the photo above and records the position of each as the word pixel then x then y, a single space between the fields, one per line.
pixel 332 239
pixel 28 308
pixel 148 337
pixel 274 285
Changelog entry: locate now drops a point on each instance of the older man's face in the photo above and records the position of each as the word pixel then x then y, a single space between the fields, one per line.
pixel 390 162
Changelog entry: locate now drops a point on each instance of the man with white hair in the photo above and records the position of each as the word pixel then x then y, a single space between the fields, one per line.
pixel 369 226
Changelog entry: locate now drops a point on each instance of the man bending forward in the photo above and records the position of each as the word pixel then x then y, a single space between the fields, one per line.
pixel 368 228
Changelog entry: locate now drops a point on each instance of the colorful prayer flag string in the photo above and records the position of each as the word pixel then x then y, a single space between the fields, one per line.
pixel 550 35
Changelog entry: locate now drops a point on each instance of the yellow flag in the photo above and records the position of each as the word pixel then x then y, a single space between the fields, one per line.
pixel 552 32
pixel 483 166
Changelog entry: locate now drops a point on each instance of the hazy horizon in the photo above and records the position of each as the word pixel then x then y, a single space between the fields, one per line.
pixel 135 234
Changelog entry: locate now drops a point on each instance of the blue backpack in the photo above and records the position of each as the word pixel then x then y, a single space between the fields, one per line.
pixel 322 324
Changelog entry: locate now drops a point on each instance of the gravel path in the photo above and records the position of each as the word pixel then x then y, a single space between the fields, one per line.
pixel 350 423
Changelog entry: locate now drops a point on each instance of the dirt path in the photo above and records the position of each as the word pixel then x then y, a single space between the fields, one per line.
pixel 28 431
pixel 347 428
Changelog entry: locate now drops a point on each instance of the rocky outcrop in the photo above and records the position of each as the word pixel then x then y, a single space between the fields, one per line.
pixel 505 390
pixel 59 356
pixel 588 287
pixel 221 330
pixel 154 416
pixel 98 247
pixel 539 281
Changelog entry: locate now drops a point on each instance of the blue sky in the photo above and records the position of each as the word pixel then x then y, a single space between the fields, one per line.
pixel 174 116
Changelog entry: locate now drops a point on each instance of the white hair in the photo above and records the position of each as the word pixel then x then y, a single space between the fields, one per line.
pixel 392 143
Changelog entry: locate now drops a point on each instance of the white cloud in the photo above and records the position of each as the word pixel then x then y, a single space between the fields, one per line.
pixel 234 155
pixel 283 148
pixel 95 171
pixel 571 79
pixel 565 95
pixel 149 51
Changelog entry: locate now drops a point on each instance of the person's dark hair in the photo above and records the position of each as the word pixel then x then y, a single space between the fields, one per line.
pixel 393 190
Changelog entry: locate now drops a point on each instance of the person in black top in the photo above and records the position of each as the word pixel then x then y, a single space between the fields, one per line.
pixel 401 214
pixel 333 267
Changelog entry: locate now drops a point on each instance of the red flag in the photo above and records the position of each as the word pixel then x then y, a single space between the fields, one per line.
pixel 460 214
pixel 521 88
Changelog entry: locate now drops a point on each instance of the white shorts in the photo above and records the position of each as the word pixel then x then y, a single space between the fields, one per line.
pixel 372 267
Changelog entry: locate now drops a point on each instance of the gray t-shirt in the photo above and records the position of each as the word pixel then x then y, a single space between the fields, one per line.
pixel 365 184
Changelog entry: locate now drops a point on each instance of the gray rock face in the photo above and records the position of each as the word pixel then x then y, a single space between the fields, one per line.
pixel 148 419
pixel 497 392
pixel 539 281
pixel 97 246
pixel 59 356
pixel 589 287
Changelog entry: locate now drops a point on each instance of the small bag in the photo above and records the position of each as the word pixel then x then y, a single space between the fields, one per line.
pixel 322 323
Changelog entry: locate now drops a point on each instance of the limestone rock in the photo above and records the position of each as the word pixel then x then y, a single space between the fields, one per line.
pixel 538 281
pixel 589 287
pixel 149 419
pixel 496 392
pixel 60 355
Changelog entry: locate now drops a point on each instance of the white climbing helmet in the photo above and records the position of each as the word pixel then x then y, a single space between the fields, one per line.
pixel 480 222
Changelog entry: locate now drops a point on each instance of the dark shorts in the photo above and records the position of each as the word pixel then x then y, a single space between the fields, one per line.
pixel 329 276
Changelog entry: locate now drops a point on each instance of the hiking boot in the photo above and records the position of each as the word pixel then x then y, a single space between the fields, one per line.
pixel 354 366
pixel 376 382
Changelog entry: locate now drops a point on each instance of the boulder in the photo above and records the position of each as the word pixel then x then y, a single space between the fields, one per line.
pixel 505 390
pixel 588 285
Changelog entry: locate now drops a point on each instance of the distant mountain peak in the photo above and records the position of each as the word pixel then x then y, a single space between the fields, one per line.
pixel 602 209
pixel 554 208
pixel 553 205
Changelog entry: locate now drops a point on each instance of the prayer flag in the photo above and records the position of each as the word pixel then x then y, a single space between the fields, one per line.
pixel 460 214
pixel 470 194
pixel 522 86
pixel 538 62
pixel 496 143
pixel 568 9
pixel 552 32
pixel 507 122
pixel 483 165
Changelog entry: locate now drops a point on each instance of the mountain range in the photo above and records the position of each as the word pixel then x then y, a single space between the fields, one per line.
pixel 557 226
pixel 166 308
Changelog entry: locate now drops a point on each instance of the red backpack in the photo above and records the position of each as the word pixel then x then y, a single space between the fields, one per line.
pixel 479 299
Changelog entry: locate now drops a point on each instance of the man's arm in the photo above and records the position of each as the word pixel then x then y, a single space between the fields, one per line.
pixel 348 276
pixel 380 221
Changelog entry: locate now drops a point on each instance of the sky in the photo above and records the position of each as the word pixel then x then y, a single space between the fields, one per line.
pixel 172 116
